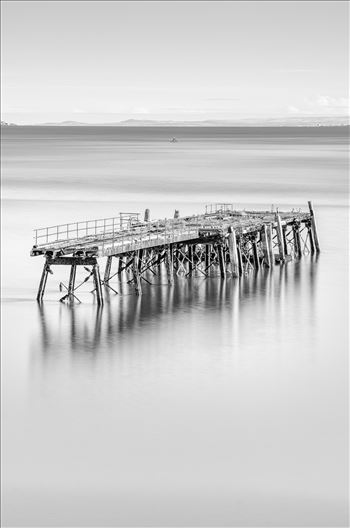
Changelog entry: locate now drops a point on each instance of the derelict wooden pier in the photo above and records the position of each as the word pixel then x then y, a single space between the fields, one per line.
pixel 223 241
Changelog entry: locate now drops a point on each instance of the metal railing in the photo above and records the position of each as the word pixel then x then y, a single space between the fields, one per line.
pixel 218 208
pixel 88 228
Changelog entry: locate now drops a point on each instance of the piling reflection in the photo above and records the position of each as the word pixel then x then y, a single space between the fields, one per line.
pixel 235 306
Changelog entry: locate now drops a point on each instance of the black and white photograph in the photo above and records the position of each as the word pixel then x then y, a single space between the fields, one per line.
pixel 175 263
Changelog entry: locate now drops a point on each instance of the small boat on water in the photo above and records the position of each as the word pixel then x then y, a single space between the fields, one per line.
pixel 173 140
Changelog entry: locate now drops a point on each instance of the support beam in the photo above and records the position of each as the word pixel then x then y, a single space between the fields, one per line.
pixel 310 236
pixel 270 244
pixel 169 263
pixel 97 281
pixel 297 241
pixel 71 283
pixel 140 256
pixel 255 253
pixel 313 227
pixel 265 246
pixel 285 242
pixel 190 258
pixel 279 233
pixel 221 260
pixel 239 256
pixel 70 261
pixel 108 269
pixel 207 255
pixel 136 274
pixel 232 247
pixel 43 280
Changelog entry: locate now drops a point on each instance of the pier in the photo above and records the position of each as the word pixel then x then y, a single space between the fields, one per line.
pixel 222 242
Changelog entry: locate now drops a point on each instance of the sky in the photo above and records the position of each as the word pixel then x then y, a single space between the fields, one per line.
pixel 109 61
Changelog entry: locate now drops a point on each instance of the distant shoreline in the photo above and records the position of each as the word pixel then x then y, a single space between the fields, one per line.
pixel 309 122
pixel 172 126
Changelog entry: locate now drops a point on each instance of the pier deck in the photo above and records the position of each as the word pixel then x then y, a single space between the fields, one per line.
pixel 234 241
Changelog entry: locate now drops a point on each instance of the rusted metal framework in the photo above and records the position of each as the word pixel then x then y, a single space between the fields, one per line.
pixel 223 242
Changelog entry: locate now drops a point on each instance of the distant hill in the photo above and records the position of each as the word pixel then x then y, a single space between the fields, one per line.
pixel 297 120
pixel 313 121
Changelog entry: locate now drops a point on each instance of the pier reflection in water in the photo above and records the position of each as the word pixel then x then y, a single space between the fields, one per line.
pixel 232 307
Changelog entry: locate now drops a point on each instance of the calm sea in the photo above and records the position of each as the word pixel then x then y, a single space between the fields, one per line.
pixel 212 403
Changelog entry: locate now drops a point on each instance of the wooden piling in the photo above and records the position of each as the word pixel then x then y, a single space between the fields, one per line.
pixel 297 241
pixel 310 236
pixel 279 233
pixel 43 281
pixel 239 256
pixel 285 242
pixel 71 283
pixel 221 260
pixel 140 256
pixel 232 247
pixel 136 274
pixel 169 263
pixel 190 259
pixel 108 267
pixel 256 260
pixel 313 227
pixel 265 246
pixel 97 281
pixel 207 256
pixel 270 244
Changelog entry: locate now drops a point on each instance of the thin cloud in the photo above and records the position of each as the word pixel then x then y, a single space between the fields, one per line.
pixel 297 70
pixel 322 104
pixel 223 99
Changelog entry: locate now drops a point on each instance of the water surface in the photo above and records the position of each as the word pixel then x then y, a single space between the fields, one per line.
pixel 212 403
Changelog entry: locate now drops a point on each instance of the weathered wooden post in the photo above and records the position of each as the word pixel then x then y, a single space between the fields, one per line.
pixel 221 260
pixel 310 236
pixel 140 257
pixel 255 252
pixel 297 241
pixel 279 233
pixel 190 258
pixel 313 227
pixel 108 267
pixel 285 241
pixel 265 245
pixel 43 281
pixel 232 247
pixel 207 256
pixel 169 263
pixel 97 281
pixel 239 255
pixel 71 284
pixel 270 244
pixel 136 274
pixel 147 216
